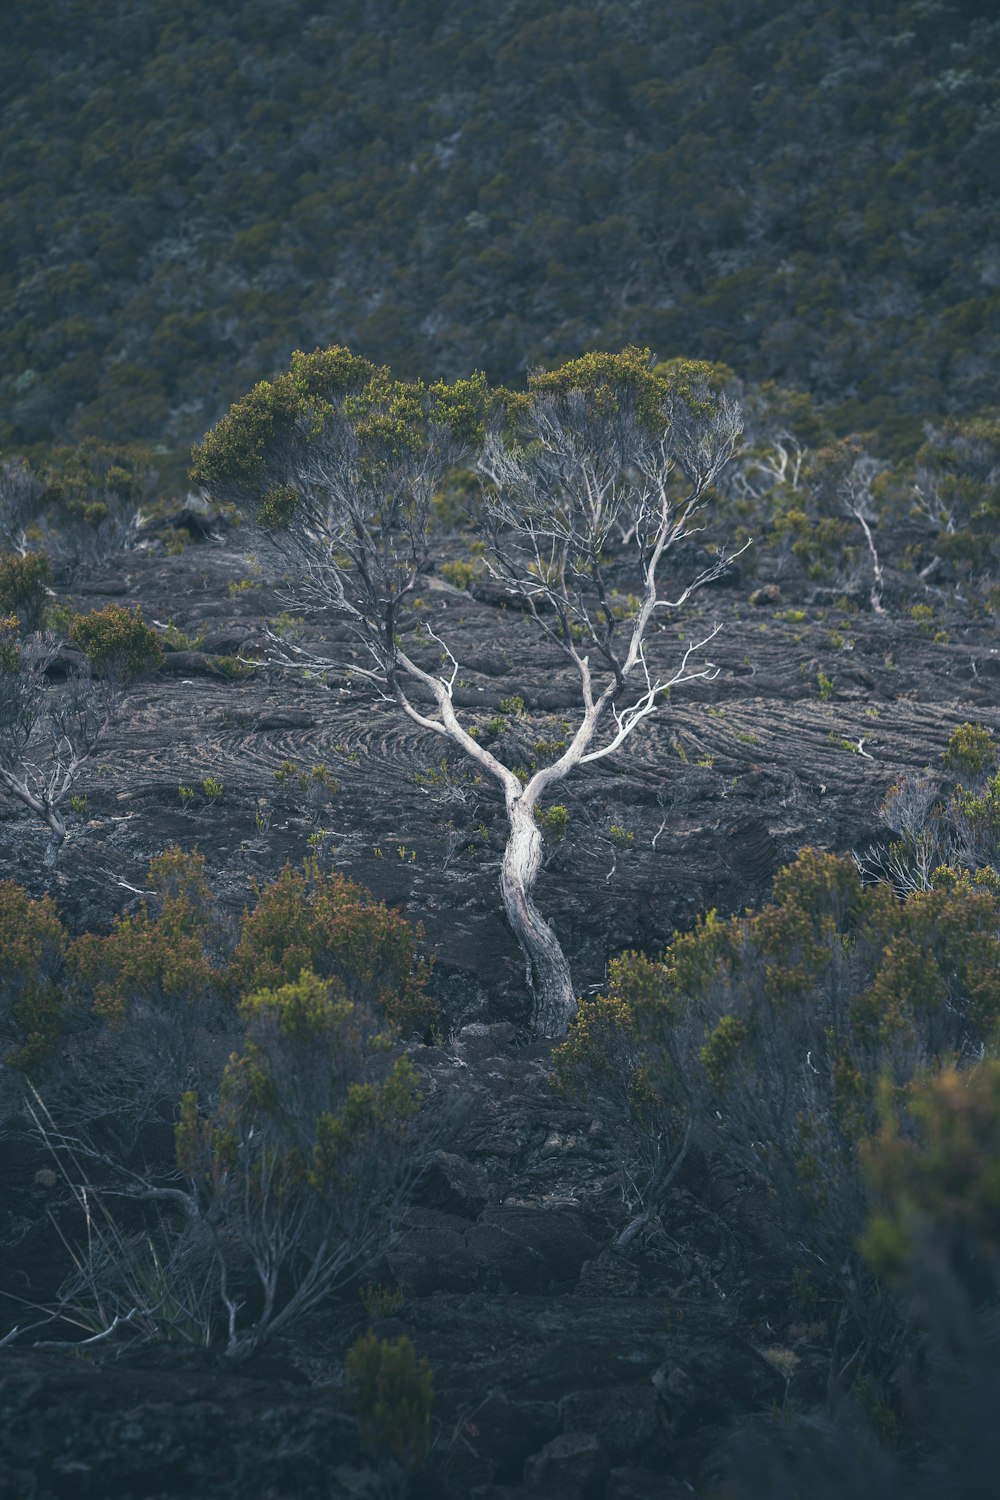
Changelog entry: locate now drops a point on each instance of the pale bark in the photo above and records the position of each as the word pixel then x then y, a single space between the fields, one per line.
pixel 547 969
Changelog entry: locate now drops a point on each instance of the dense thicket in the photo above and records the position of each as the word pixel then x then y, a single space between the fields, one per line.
pixel 805 190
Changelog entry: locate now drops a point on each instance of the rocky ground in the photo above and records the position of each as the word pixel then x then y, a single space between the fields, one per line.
pixel 562 1367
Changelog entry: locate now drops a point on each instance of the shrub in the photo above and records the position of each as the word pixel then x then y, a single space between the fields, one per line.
pixel 934 1169
pixel 157 960
pixel 326 923
pixel 392 1393
pixel 117 643
pixel 977 813
pixel 314 790
pixel 971 750
pixel 47 731
pixel 300 1165
pixel 554 820
pixel 24 587
pixel 32 1001
pixel 778 1028
pixel 942 839
pixel 159 1007
pixel 461 572
pixel 602 1061
pixel 93 495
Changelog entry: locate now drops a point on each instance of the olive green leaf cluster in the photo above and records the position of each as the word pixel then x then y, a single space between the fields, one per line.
pixel 298 1118
pixel 779 1036
pixel 391 1391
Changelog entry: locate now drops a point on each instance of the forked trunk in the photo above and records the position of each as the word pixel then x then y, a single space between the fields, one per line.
pixel 548 972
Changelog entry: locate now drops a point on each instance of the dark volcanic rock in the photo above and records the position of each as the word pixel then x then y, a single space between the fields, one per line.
pixel 563 1367
pixel 177 1426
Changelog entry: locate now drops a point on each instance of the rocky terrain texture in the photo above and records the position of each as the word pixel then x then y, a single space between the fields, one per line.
pixel 563 1367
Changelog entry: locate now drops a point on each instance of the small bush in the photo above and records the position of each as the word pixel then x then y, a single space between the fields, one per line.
pixel 554 820
pixel 33 1004
pixel 971 750
pixel 117 643
pixel 314 790
pixel 307 1153
pixel 24 587
pixel 158 961
pixel 328 924
pixel 778 1029
pixel 93 495
pixel 461 573
pixel 934 1169
pixel 392 1393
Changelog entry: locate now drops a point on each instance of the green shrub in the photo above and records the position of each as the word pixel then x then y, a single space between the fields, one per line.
pixel 93 495
pixel 778 1028
pixel 33 1003
pixel 554 820
pixel 645 1109
pixel 326 923
pixel 301 1163
pixel 460 573
pixel 24 587
pixel 392 1393
pixel 117 643
pixel 934 1171
pixel 161 958
pixel 314 789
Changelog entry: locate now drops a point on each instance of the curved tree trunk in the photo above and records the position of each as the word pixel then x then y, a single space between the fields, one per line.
pixel 548 971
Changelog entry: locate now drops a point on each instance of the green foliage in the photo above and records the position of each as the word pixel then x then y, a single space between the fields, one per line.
pixel 780 1030
pixel 615 385
pixel 298 1158
pixel 248 458
pixel 392 1393
pixel 333 927
pixel 117 642
pixel 380 1301
pixel 980 810
pixel 934 1170
pixel 24 587
pixel 315 789
pixel 33 1004
pixel 460 573
pixel 92 499
pixel 554 820
pixel 971 750
pixel 160 958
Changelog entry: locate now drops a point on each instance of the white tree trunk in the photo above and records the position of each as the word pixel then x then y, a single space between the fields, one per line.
pixel 548 971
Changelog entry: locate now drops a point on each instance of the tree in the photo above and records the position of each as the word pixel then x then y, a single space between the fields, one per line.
pixel 338 463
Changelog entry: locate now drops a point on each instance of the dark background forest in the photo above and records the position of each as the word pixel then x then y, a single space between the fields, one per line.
pixel 806 191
